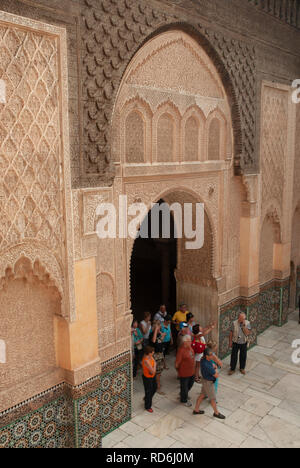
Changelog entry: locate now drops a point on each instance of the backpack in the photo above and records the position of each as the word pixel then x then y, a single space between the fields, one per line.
pixel 198 347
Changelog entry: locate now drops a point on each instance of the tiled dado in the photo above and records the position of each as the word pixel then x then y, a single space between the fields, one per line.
pixel 72 417
pixel 269 307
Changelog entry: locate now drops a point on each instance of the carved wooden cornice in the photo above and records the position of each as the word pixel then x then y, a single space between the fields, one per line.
pixel 285 10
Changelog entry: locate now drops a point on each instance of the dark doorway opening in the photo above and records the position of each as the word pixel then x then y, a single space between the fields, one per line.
pixel 153 263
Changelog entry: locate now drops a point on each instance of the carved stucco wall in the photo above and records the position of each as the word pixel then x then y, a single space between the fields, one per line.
pixel 156 94
pixel 196 266
pixel 28 304
pixel 36 246
pixel 34 158
pixel 295 250
pixel 113 255
pixel 279 165
pixel 232 215
pixel 113 32
pixel 274 139
pixel 295 254
pixel 148 93
pixel 296 195
pixel 268 236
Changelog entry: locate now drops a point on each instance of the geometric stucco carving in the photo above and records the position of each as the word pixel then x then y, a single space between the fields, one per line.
pixel 113 31
pixel 269 235
pixel 34 153
pixel 274 140
pixel 91 200
pixel 29 126
pixel 296 196
pixel 237 66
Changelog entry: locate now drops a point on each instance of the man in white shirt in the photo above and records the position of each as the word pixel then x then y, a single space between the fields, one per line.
pixel 161 314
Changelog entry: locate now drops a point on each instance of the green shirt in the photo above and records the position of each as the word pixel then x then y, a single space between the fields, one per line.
pixel 137 337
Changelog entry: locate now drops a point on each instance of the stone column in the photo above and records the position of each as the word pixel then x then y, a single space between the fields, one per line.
pixel 250 228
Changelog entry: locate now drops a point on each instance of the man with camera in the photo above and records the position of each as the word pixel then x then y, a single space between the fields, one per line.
pixel 238 342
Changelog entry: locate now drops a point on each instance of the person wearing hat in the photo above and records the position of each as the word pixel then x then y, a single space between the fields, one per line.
pixel 184 330
pixel 168 341
pixel 178 318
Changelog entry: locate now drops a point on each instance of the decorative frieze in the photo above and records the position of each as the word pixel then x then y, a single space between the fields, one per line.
pixel 285 10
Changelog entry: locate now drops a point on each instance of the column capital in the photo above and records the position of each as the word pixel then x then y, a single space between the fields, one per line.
pixel 251 204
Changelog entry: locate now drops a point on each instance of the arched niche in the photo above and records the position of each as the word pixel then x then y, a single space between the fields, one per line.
pixel 166 134
pixel 132 130
pixel 171 88
pixel 269 236
pixel 29 304
pixel 216 136
pixel 193 128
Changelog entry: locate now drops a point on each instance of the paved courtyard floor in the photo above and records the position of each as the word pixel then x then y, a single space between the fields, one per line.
pixel 262 408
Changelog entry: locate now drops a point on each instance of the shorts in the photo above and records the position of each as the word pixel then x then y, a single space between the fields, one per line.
pixel 208 389
pixel 198 357
pixel 159 359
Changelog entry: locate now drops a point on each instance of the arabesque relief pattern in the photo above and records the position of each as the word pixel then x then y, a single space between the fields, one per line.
pixel 113 31
pixel 296 197
pixel 31 207
pixel 274 146
pixel 184 122
pixel 31 157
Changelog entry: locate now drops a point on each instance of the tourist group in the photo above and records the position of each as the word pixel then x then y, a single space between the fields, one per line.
pixel 196 360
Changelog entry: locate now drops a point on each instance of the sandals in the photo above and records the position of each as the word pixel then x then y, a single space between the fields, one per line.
pixel 198 412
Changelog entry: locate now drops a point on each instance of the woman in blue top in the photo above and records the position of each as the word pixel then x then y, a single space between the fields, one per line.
pixel 166 328
pixel 138 345
pixel 212 345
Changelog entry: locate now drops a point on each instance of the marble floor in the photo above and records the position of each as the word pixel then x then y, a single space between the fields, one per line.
pixel 262 409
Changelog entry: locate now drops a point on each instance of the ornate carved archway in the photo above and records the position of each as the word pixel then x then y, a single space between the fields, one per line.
pixel 196 270
pixel 132 25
